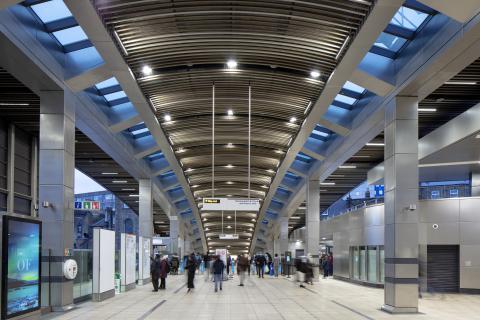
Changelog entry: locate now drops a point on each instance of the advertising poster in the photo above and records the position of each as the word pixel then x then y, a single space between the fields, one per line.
pixel 146 258
pixel 21 266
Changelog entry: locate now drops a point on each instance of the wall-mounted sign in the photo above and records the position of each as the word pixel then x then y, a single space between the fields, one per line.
pixel 228 204
pixel 230 236
pixel 87 205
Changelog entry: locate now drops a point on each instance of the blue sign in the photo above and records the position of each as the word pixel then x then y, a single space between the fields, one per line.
pixel 379 190
pixel 78 204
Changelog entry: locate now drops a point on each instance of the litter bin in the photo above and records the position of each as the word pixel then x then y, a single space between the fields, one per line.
pixel 118 279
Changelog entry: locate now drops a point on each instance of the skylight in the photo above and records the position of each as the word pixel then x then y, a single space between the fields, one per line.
pixel 345 99
pixel 139 131
pixel 115 96
pixel 51 11
pixel 107 83
pixel 303 157
pixel 390 42
pixel 320 133
pixel 70 35
pixel 353 87
pixel 409 18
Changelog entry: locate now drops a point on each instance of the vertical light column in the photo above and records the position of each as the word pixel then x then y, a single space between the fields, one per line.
pixel 312 228
pixel 401 199
pixel 145 208
pixel 56 183
pixel 174 234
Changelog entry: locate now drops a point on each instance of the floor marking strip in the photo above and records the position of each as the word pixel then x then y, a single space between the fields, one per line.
pixel 183 286
pixel 353 310
pixel 149 312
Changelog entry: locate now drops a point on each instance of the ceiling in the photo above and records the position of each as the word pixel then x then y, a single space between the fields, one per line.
pixel 21 106
pixel 277 44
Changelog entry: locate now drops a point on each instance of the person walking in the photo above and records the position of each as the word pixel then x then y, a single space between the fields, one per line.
pixel 218 267
pixel 229 262
pixel 330 264
pixel 260 262
pixel 164 270
pixel 276 263
pixel 155 272
pixel 242 265
pixel 191 268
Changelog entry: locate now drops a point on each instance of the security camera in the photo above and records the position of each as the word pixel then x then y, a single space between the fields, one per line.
pixel 412 207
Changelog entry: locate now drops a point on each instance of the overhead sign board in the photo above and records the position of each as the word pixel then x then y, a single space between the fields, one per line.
pixel 229 204
pixel 87 205
pixel 229 236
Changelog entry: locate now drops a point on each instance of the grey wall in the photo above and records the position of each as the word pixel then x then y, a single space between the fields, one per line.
pixel 457 222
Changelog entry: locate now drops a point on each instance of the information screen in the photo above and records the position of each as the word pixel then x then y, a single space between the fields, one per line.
pixel 20 266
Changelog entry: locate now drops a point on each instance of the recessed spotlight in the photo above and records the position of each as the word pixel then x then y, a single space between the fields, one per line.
pixel 206 229
pixel 232 64
pixel 205 219
pixel 427 109
pixel 315 74
pixel 229 166
pixel 270 170
pixel 264 187
pixel 279 151
pixel 229 227
pixel 167 117
pixel 293 120
pixel 375 144
pixel 181 150
pixel 189 170
pixel 229 217
pixel 229 145
pixel 146 70
pixel 230 112
pixel 253 220
pixel 229 182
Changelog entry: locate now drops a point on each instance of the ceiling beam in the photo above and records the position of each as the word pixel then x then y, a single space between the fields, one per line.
pixel 462 13
pixel 6 3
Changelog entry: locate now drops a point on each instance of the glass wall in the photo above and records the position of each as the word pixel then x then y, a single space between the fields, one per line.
pixel 367 263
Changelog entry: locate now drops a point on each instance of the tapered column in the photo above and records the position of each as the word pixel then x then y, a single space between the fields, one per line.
pixel 312 236
pixel 174 248
pixel 56 182
pixel 401 198
pixel 283 237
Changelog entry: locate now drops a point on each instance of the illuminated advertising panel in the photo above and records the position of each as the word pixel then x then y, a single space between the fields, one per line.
pixel 21 252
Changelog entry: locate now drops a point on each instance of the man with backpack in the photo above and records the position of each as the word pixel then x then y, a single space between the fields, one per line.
pixel 164 270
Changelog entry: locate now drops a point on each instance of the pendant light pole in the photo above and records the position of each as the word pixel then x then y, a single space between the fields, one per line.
pixel 213 140
pixel 249 132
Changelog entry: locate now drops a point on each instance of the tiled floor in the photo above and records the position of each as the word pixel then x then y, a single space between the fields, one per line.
pixel 265 299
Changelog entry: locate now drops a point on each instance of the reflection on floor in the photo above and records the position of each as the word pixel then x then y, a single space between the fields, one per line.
pixel 267 298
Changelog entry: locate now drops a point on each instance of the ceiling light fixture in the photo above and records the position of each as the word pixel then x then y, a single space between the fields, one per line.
pixel 279 151
pixel 189 170
pixel 230 112
pixel 375 144
pixel 128 189
pixel 232 64
pixel 229 217
pixel 119 181
pixel 253 220
pixel 468 83
pixel 229 227
pixel 181 150
pixel 229 182
pixel 427 109
pixel 293 120
pixel 315 74
pixel 167 117
pixel 147 71
pixel 110 173
pixel 13 104
pixel 134 195
pixel 327 183
pixel 347 167
pixel 229 166
pixel 229 145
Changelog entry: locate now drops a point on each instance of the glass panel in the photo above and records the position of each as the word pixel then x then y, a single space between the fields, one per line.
pixel 345 99
pixel 355 263
pixel 372 264
pixel 390 42
pixel 70 35
pixel 382 265
pixel 82 285
pixel 353 87
pixel 362 264
pixel 409 18
pixel 51 11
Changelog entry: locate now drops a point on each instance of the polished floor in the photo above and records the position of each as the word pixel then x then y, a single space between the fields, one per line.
pixel 267 298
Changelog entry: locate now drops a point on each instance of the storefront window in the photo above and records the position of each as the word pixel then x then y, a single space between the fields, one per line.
pixel 362 264
pixel 355 263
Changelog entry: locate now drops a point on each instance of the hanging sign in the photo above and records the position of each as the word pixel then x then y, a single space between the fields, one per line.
pixel 87 205
pixel 229 236
pixel 228 204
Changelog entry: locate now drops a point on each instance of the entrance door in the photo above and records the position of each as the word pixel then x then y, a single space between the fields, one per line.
pixel 443 268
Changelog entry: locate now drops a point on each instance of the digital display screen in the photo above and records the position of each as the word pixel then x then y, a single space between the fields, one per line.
pixel 20 266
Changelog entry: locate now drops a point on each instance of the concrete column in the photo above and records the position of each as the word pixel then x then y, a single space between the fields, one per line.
pixel 312 219
pixel 56 182
pixel 145 208
pixel 401 199
pixel 174 243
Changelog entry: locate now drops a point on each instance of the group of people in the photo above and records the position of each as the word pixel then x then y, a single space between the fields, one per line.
pixel 161 267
